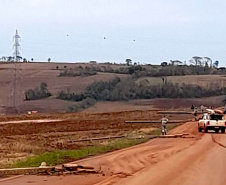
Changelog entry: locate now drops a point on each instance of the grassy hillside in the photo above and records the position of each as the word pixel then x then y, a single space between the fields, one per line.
pixel 30 75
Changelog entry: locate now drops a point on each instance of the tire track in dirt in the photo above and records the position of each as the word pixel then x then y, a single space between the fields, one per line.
pixel 194 165
pixel 149 154
pixel 218 143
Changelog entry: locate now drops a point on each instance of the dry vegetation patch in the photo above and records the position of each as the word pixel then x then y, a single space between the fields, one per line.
pixel 22 140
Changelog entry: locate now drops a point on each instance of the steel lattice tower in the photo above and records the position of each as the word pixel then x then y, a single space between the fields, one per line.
pixel 16 93
pixel 16 46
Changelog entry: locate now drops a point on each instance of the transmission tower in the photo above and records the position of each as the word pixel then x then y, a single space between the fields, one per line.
pixel 16 93
pixel 16 47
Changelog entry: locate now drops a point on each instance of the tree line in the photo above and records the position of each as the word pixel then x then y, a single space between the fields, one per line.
pixel 127 89
pixel 116 90
pixel 144 70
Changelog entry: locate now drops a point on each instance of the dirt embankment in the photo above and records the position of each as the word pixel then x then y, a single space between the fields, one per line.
pixel 22 136
pixel 197 159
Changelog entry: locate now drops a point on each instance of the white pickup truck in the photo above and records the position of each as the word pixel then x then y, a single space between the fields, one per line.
pixel 214 122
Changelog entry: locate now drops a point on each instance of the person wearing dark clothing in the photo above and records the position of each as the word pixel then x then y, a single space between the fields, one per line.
pixel 192 108
pixel 195 114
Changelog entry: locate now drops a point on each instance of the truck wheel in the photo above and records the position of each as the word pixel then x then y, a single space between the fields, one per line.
pixel 223 130
pixel 199 129
pixel 205 129
pixel 217 130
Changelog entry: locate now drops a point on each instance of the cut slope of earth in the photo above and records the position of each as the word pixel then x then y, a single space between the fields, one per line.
pixel 156 104
pixel 191 160
pixel 28 135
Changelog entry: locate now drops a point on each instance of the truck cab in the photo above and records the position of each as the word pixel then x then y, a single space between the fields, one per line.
pixel 212 121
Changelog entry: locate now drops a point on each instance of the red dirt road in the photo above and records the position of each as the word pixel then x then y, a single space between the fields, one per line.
pixel 198 159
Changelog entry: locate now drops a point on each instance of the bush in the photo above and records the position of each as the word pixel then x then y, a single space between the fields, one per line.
pixel 86 103
pixel 38 92
pixel 78 72
pixel 97 90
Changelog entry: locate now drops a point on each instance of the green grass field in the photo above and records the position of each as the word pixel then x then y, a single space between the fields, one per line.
pixel 64 156
pixel 60 157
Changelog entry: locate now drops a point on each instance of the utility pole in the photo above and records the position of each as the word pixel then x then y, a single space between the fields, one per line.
pixel 16 46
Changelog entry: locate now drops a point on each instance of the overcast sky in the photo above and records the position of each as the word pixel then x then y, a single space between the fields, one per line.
pixel 147 31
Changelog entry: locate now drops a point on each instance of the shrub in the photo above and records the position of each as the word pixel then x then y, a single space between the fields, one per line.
pixel 38 92
pixel 86 103
pixel 78 72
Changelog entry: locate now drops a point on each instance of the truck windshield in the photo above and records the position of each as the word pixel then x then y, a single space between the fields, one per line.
pixel 216 117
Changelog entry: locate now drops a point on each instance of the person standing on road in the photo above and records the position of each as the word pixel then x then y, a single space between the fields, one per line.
pixel 195 114
pixel 164 121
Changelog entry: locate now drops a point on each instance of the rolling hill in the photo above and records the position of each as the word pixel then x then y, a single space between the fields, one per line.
pixel 15 79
